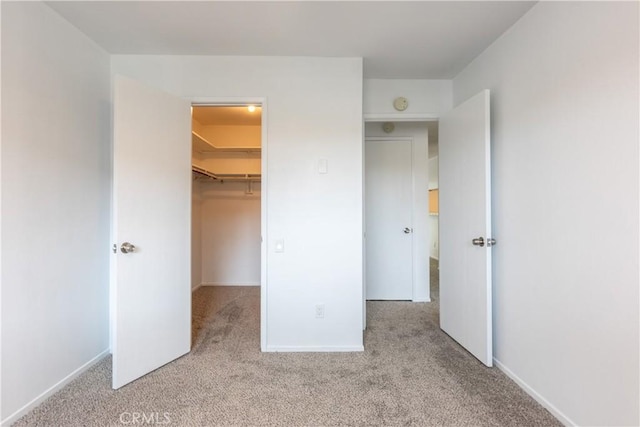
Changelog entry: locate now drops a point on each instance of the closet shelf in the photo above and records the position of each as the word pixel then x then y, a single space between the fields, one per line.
pixel 203 145
pixel 231 177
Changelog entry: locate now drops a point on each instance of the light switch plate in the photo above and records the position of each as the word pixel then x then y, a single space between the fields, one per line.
pixel 323 166
pixel 280 245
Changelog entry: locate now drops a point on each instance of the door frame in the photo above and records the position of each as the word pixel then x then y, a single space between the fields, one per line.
pixel 386 117
pixel 262 101
pixel 415 259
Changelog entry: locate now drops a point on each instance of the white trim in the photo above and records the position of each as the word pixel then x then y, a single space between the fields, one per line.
pixel 388 138
pixel 229 284
pixel 400 117
pixel 264 238
pixel 414 242
pixel 53 389
pixel 363 230
pixel 531 392
pixel 223 101
pixel 196 288
pixel 314 349
pixel 420 222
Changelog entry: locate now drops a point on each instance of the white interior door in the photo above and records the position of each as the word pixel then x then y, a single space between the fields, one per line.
pixel 388 213
pixel 465 215
pixel 151 298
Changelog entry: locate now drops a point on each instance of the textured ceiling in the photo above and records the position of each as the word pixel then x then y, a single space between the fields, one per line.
pixel 397 39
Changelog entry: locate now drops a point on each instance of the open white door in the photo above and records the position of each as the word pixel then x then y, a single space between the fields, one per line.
pixel 465 226
pixel 151 295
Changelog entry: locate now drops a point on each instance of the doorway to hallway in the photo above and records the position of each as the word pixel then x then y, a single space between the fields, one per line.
pixel 400 232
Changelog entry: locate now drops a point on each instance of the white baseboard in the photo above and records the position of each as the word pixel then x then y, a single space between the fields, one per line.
pixel 312 349
pixel 531 392
pixel 229 284
pixel 421 300
pixel 196 287
pixel 51 390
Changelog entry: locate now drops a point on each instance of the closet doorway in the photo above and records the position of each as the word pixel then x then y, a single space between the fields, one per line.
pixel 226 210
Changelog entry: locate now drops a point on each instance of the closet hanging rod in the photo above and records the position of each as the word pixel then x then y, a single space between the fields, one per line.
pixel 233 179
pixel 227 177
pixel 204 172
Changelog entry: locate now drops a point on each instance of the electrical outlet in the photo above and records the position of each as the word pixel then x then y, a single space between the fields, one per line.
pixel 319 311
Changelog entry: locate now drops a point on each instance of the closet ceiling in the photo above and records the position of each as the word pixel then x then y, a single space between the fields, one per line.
pixel 226 143
pixel 227 116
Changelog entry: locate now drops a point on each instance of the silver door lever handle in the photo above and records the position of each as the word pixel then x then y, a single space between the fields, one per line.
pixel 127 247
pixel 479 241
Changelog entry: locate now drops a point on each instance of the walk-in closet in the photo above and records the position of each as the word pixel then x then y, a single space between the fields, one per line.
pixel 226 144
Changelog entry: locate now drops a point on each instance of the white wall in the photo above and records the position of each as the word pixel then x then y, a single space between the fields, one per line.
pixel 564 84
pixel 434 231
pixel 426 98
pixel 434 237
pixel 314 111
pixel 230 234
pixel 419 132
pixel 55 203
pixel 196 235
pixel 230 162
pixel 230 136
pixel 433 172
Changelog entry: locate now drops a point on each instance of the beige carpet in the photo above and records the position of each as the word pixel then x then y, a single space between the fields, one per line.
pixel 410 374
